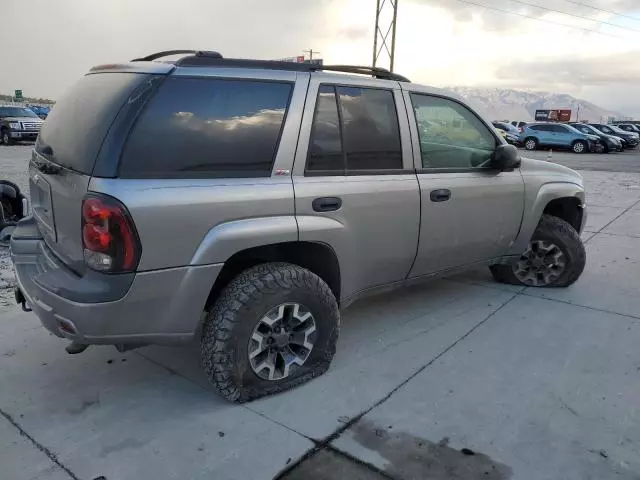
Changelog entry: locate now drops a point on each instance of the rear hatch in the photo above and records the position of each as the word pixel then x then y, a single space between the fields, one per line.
pixel 65 153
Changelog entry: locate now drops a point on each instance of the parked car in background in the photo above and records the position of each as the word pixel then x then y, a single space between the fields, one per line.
pixel 42 112
pixel 506 126
pixel 519 125
pixel 557 135
pixel 610 143
pixel 631 139
pixel 18 123
pixel 509 132
pixel 628 127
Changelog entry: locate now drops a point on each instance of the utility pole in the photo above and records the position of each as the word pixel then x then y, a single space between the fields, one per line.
pixel 382 29
pixel 311 52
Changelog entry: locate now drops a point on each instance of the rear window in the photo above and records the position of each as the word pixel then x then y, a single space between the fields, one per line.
pixel 212 128
pixel 79 121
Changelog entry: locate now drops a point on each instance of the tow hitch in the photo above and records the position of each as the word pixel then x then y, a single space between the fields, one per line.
pixel 21 300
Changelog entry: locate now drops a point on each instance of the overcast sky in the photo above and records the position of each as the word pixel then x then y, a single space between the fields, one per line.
pixel 439 42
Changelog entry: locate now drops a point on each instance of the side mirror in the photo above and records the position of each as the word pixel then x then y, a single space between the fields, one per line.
pixel 506 157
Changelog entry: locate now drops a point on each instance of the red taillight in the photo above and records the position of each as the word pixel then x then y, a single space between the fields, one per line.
pixel 108 235
pixel 521 129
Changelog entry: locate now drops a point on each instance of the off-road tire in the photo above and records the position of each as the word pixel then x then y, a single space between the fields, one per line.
pixel 242 303
pixel 562 234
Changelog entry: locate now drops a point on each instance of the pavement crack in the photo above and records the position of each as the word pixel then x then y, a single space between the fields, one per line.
pixel 52 456
pixel 602 310
pixel 326 442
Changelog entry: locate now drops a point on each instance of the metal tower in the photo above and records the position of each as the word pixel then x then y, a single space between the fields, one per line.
pixel 386 23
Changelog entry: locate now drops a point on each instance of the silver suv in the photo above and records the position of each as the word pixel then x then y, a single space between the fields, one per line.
pixel 243 203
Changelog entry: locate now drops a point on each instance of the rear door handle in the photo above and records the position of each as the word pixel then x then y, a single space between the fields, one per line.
pixel 326 204
pixel 440 195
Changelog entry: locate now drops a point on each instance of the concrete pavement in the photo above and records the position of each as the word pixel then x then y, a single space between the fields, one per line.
pixel 534 384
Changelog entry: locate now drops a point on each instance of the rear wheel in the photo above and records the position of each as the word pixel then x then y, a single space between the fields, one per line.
pixel 579 147
pixel 555 257
pixel 275 326
pixel 531 143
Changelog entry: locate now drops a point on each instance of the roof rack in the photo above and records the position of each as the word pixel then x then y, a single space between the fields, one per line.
pixel 166 53
pixel 215 59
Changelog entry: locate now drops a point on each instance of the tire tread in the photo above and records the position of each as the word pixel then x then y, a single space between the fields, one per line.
pixel 218 340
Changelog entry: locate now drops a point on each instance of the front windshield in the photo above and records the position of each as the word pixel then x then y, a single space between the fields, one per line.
pixel 586 129
pixel 16 112
pixel 616 129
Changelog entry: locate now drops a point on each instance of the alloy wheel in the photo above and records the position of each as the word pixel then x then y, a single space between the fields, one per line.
pixel 282 341
pixel 530 145
pixel 578 147
pixel 541 264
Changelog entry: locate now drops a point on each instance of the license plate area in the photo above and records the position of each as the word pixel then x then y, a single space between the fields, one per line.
pixel 42 205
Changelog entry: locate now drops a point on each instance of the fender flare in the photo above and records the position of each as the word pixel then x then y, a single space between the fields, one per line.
pixel 224 240
pixel 534 209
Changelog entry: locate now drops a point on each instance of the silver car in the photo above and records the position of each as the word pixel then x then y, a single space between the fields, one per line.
pixel 245 203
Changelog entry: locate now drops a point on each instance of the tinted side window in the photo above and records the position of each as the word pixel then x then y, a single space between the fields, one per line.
pixel 370 129
pixel 196 127
pixel 559 129
pixel 451 136
pixel 325 147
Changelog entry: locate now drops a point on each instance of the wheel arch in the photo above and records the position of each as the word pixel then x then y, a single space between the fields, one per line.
pixel 316 257
pixel 564 200
pixel 568 209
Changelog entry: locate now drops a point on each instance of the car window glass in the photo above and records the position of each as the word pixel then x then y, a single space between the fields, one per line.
pixel 560 129
pixel 371 134
pixel 606 129
pixel 197 127
pixel 325 146
pixel 450 135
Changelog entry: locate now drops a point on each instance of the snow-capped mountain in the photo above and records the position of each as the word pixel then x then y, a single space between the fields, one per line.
pixel 507 104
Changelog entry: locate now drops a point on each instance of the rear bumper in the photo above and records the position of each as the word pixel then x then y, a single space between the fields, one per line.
pixel 159 307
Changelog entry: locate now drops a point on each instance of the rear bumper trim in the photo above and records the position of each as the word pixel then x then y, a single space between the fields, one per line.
pixel 160 307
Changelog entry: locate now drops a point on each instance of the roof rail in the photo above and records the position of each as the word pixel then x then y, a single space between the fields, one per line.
pixel 373 71
pixel 166 53
pixel 202 58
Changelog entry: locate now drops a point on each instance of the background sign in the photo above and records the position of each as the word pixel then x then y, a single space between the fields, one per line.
pixel 18 95
pixel 553 115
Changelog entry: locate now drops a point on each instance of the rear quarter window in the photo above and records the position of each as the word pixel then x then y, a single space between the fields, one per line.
pixel 79 121
pixel 212 128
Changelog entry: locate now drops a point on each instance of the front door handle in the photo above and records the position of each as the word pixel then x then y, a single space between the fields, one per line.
pixel 440 195
pixel 326 204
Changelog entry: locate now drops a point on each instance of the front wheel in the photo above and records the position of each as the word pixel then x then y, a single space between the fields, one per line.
pixel 275 326
pixel 579 147
pixel 555 257
pixel 6 137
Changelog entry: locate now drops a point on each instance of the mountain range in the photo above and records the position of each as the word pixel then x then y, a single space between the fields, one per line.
pixel 508 104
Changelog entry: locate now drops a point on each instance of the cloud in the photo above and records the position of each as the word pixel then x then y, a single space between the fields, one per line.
pixel 65 38
pixel 493 13
pixel 609 70
pixel 356 32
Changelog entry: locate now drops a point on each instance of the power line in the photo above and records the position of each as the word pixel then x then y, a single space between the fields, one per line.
pixel 618 14
pixel 574 15
pixel 509 12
